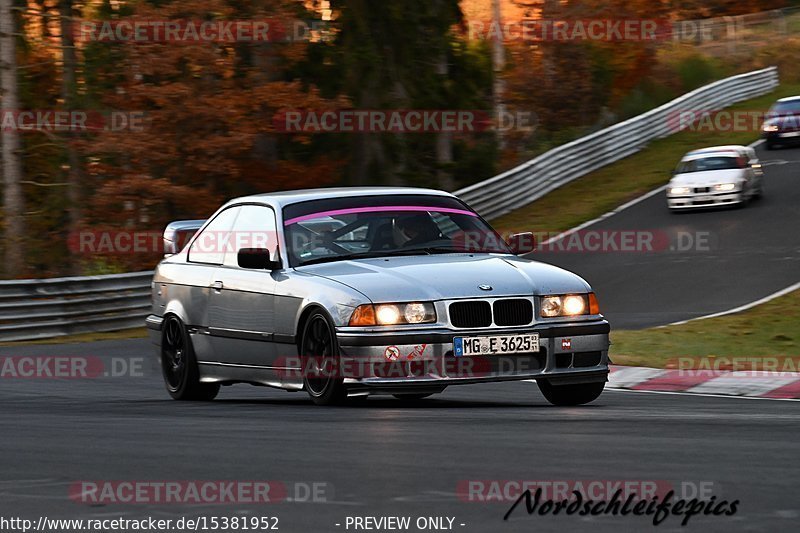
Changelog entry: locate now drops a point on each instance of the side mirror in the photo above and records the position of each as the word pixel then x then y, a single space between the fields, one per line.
pixel 257 259
pixel 522 243
pixel 178 234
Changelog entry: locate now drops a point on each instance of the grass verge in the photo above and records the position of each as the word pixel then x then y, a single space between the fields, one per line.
pixel 771 329
pixel 766 330
pixel 605 189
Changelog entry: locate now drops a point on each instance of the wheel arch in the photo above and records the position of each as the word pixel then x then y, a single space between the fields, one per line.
pixel 305 314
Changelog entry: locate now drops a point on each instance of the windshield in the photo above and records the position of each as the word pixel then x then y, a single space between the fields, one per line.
pixel 365 227
pixel 791 107
pixel 711 163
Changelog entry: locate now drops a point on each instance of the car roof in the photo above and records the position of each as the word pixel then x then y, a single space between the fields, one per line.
pixel 789 99
pixel 717 151
pixel 284 198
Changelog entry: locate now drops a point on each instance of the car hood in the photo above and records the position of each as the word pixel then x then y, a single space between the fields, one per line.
pixel 707 178
pixel 451 276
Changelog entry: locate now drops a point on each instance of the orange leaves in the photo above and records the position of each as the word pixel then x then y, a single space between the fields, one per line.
pixel 209 133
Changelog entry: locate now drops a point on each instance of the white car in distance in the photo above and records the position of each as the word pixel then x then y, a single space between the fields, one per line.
pixel 715 177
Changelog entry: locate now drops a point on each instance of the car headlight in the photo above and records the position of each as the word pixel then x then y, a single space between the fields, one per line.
pixel 679 190
pixel 393 314
pixel 725 187
pixel 569 305
pixel 769 127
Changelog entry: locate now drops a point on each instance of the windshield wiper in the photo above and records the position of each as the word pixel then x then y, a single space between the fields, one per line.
pixel 431 250
pixel 452 250
pixel 362 255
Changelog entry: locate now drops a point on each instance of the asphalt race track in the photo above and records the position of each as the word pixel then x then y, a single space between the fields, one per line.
pixel 744 254
pixel 386 457
pixel 393 458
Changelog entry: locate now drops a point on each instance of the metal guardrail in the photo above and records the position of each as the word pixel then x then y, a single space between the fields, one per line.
pixel 43 308
pixel 532 180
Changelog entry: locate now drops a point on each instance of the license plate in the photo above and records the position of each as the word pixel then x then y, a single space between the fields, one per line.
pixel 703 198
pixel 790 134
pixel 498 345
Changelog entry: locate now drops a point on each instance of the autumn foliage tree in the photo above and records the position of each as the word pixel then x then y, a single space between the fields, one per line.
pixel 201 116
pixel 207 132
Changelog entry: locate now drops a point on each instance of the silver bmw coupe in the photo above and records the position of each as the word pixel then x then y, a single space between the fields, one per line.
pixel 352 292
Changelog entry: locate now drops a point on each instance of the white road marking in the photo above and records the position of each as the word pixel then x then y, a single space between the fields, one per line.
pixel 705 395
pixel 621 208
pixel 745 307
pixel 610 214
pixel 782 292
pixel 644 197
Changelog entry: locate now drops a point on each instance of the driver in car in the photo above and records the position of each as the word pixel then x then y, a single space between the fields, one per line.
pixel 415 230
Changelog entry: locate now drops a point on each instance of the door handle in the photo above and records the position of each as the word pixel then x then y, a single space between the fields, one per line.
pixel 217 286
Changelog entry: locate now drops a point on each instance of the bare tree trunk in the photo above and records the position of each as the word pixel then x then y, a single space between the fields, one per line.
pixel 549 12
pixel 498 64
pixel 69 88
pixel 444 140
pixel 13 201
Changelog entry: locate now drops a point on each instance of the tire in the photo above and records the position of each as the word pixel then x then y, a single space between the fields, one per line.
pixel 569 395
pixel 413 397
pixel 760 194
pixel 179 365
pixel 319 342
pixel 770 145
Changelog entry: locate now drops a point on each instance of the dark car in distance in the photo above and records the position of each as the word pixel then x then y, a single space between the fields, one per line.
pixel 782 124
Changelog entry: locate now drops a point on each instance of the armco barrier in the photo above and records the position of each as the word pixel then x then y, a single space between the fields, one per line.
pixel 42 308
pixel 532 180
pixel 34 309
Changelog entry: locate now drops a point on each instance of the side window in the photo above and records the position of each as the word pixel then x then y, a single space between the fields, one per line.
pixel 447 226
pixel 255 227
pixel 210 245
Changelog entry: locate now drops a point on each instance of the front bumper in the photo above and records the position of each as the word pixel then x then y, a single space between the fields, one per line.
pixel 709 199
pixel 574 352
pixel 782 137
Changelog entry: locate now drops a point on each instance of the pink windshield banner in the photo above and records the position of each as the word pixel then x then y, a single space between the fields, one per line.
pixel 379 209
